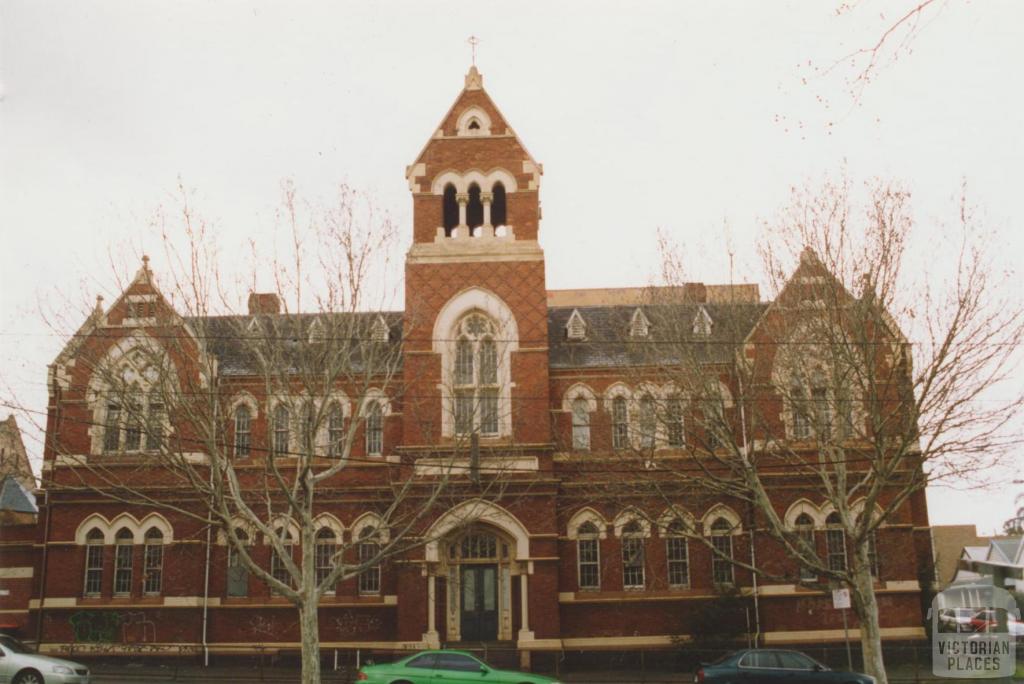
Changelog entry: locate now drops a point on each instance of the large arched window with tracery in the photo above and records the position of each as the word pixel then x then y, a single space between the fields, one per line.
pixel 476 386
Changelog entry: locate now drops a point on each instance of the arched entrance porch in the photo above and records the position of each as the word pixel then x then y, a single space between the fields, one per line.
pixel 477 549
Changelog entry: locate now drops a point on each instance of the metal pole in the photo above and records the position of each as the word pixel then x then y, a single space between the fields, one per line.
pixel 846 632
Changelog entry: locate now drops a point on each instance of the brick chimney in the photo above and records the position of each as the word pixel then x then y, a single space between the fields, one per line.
pixel 264 303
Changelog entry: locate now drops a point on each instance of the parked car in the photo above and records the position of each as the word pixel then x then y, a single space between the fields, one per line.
pixel 767 665
pixel 437 667
pixel 987 620
pixel 19 665
pixel 956 619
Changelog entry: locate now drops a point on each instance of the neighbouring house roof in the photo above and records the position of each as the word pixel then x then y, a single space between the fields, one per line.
pixel 15 498
pixel 1004 550
pixel 608 343
pixel 975 552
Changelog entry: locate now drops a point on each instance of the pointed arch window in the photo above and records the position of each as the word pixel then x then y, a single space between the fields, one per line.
pixel 474 209
pixel 374 429
pixel 278 568
pixel 93 563
pixel 835 542
pixel 648 422
pixel 238 574
pixel 674 421
pixel 124 547
pixel 633 556
pixel 133 425
pixel 620 423
pixel 450 209
pixel 677 554
pixel 153 562
pixel 588 555
pixel 282 431
pixel 721 560
pixel 335 431
pixel 804 526
pixel 476 377
pixel 499 207
pixel 326 548
pixel 112 431
pixel 369 578
pixel 155 423
pixel 243 431
pixel 580 424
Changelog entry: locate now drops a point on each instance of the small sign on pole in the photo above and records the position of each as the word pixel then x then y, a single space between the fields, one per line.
pixel 841 598
pixel 841 601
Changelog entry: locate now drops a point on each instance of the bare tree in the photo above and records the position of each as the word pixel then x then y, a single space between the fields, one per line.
pixel 245 423
pixel 854 388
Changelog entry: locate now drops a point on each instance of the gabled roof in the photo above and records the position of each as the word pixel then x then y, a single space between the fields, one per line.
pixel 14 497
pixel 473 91
pixel 1004 550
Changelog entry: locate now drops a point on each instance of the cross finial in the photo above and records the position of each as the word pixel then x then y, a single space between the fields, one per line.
pixel 473 42
pixel 145 261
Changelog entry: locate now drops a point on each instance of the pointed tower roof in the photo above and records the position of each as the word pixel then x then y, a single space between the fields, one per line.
pixel 473 97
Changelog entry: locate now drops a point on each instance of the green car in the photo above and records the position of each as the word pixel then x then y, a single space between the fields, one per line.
pixel 437 667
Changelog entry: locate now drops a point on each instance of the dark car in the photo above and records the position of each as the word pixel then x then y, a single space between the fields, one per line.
pixel 768 665
pixel 441 667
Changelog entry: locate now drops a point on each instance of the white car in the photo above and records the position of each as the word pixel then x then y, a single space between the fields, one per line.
pixel 19 665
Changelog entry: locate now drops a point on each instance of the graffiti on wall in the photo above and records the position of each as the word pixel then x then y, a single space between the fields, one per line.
pixel 106 627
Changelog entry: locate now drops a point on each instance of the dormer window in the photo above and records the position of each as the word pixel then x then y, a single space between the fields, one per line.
pixel 639 325
pixel 576 328
pixel 380 331
pixel 316 332
pixel 702 323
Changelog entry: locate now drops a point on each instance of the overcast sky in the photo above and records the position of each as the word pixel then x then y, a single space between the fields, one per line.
pixel 690 118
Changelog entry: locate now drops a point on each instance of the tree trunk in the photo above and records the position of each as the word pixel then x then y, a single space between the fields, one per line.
pixel 309 625
pixel 866 607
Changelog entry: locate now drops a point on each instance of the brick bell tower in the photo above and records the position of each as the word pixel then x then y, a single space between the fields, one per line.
pixel 475 329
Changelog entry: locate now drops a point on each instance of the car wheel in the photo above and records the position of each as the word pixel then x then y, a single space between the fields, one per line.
pixel 28 677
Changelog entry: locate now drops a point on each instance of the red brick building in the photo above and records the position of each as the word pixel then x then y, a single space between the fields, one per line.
pixel 554 564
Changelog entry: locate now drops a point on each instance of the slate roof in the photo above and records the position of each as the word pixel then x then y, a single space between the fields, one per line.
pixel 608 343
pixel 227 336
pixel 14 497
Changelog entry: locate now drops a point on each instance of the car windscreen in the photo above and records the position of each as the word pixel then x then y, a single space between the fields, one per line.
pixel 14 645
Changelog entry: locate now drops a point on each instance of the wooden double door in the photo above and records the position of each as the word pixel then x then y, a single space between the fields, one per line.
pixel 479 611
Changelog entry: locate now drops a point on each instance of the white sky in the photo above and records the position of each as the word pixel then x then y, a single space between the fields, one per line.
pixel 683 116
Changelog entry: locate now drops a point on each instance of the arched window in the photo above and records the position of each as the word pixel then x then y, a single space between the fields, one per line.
pixel 674 421
pixel 835 542
pixel 633 556
pixel 648 422
pixel 620 423
pixel 475 209
pixel 369 578
pixel 278 568
pixel 677 554
pixel 721 561
pixel 243 431
pixel 133 425
pixel 588 555
pixel 335 431
pixel 326 547
pixel 123 550
pixel 282 431
pixel 804 526
pixel 93 563
pixel 450 209
pixel 153 562
pixel 155 423
pixel 580 424
pixel 499 208
pixel 112 430
pixel 238 574
pixel 476 377
pixel 374 429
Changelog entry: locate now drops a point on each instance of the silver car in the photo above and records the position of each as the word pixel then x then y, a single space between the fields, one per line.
pixel 19 665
